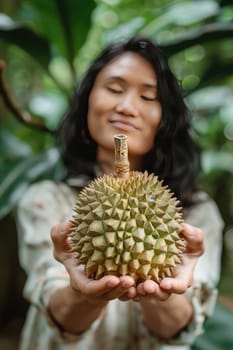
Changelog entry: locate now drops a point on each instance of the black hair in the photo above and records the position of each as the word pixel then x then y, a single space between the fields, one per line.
pixel 174 157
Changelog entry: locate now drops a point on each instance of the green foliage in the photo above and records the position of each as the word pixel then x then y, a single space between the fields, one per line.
pixel 64 23
pixel 29 41
pixel 48 44
pixel 19 167
pixel 218 332
pixel 40 46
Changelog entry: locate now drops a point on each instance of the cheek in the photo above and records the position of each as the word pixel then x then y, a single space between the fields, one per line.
pixel 154 119
pixel 96 116
pixel 98 104
pixel 152 124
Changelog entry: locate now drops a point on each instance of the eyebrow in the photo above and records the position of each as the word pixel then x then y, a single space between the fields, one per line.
pixel 117 77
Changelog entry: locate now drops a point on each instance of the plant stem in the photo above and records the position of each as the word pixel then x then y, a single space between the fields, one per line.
pixel 121 156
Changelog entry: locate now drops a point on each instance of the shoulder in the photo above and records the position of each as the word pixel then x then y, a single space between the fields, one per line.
pixel 47 186
pixel 204 210
pixel 47 194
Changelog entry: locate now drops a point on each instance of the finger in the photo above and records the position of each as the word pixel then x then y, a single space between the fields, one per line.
pixel 59 237
pixel 175 285
pixel 95 288
pixel 132 292
pixel 147 287
pixel 59 233
pixel 194 239
pixel 129 295
pixel 151 288
pixel 126 282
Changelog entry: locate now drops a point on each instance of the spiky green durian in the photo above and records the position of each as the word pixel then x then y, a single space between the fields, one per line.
pixel 128 225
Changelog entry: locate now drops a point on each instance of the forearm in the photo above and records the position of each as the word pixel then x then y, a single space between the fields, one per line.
pixel 166 318
pixel 72 311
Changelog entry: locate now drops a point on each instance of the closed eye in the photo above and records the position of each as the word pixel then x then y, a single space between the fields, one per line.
pixel 114 90
pixel 146 98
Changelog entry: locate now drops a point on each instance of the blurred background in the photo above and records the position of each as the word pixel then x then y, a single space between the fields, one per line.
pixel 45 47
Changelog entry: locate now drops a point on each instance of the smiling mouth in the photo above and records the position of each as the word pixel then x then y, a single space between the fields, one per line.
pixel 123 125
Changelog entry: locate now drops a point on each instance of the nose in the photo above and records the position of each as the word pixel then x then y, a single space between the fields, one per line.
pixel 128 105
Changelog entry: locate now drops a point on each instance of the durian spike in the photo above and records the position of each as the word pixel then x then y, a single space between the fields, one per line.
pixel 121 156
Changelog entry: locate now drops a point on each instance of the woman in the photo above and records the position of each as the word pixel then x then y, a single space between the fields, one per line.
pixel 128 89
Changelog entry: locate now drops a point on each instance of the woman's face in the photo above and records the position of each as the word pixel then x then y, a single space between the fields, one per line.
pixel 124 100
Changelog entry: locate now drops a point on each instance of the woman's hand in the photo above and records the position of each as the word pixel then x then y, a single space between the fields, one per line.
pixel 112 287
pixel 94 291
pixel 183 273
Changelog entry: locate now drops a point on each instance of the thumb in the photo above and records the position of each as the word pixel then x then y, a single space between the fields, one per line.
pixel 60 239
pixel 177 285
pixel 194 238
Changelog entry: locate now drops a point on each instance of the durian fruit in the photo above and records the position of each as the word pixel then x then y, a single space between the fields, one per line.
pixel 127 224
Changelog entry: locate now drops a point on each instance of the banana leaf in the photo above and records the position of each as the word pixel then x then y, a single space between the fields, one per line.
pixel 215 72
pixel 31 42
pixel 64 23
pixel 198 36
pixel 16 176
pixel 218 333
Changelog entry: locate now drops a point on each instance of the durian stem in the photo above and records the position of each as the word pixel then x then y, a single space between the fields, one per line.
pixel 121 156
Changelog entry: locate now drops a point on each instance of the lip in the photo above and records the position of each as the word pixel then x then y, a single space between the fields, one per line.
pixel 123 125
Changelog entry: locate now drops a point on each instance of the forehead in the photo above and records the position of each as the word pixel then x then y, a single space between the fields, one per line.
pixel 129 63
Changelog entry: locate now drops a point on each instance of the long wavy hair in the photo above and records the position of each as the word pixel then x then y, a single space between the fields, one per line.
pixel 174 157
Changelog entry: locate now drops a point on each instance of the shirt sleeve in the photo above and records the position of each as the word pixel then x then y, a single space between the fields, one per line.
pixel 43 205
pixel 206 216
pixel 203 293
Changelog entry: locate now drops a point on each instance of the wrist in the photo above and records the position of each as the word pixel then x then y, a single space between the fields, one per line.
pixel 163 304
pixel 154 300
pixel 67 304
pixel 77 297
pixel 166 318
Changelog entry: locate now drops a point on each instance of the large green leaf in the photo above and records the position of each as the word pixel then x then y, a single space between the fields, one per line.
pixel 12 148
pixel 123 30
pixel 218 161
pixel 178 14
pixel 18 174
pixel 212 98
pixel 34 44
pixel 189 12
pixel 49 106
pixel 198 36
pixel 64 23
pixel 75 18
pixel 215 72
pixel 218 333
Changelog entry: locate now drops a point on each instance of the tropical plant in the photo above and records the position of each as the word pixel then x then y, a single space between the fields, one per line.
pixel 47 45
pixel 55 36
